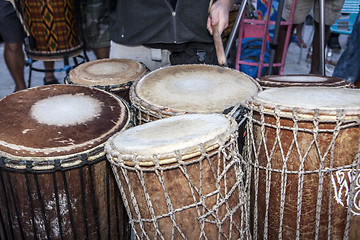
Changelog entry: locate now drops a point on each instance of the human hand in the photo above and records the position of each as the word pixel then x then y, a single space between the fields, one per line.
pixel 219 15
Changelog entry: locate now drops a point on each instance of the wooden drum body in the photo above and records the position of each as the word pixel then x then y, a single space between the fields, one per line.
pixel 181 180
pixel 53 28
pixel 55 182
pixel 182 89
pixel 302 80
pixel 113 75
pixel 303 161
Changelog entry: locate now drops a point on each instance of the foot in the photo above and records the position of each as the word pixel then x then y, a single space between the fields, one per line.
pixel 50 80
pixel 299 41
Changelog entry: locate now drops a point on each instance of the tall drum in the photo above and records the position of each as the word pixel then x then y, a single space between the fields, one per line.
pixel 302 80
pixel 113 75
pixel 181 89
pixel 55 182
pixel 53 28
pixel 180 178
pixel 303 163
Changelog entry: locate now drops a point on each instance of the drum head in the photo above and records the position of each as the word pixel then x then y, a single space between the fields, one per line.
pixel 106 72
pixel 163 137
pixel 58 120
pixel 326 100
pixel 193 88
pixel 300 80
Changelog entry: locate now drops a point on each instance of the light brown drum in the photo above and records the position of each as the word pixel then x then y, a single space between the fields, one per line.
pixel 302 80
pixel 180 178
pixel 112 75
pixel 181 89
pixel 55 182
pixel 303 163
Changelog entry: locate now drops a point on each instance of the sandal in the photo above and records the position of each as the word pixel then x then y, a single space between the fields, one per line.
pixel 50 81
pixel 299 41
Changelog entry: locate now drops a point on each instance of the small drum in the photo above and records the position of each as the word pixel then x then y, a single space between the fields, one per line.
pixel 53 29
pixel 182 89
pixel 305 80
pixel 112 75
pixel 55 182
pixel 180 178
pixel 303 163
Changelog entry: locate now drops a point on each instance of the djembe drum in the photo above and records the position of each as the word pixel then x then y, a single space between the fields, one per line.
pixel 302 80
pixel 180 178
pixel 112 75
pixel 182 89
pixel 53 28
pixel 55 182
pixel 303 163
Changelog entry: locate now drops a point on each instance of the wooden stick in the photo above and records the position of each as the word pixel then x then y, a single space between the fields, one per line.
pixel 220 53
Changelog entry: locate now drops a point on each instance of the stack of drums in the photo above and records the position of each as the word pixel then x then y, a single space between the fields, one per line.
pixel 305 80
pixel 180 178
pixel 55 182
pixel 184 89
pixel 180 92
pixel 53 29
pixel 112 75
pixel 303 163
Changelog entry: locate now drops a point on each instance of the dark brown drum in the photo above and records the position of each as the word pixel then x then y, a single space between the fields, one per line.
pixel 303 163
pixel 55 182
pixel 112 75
pixel 304 80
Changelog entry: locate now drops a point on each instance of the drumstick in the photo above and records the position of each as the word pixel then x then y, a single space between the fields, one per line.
pixel 220 53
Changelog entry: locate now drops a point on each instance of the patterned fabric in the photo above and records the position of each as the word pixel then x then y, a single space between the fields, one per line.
pixel 262 6
pixel 51 23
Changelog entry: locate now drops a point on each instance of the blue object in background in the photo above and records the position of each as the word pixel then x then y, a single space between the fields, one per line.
pixel 348 66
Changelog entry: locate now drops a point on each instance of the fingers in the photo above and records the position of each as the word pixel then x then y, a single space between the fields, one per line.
pixel 219 15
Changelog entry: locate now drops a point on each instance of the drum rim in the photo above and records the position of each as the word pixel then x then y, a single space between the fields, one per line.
pixel 159 111
pixel 266 81
pixel 55 55
pixel 70 160
pixel 113 87
pixel 305 113
pixel 109 88
pixel 115 156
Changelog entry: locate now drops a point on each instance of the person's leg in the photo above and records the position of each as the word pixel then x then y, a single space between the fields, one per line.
pixel 50 76
pixel 315 61
pixel 299 36
pixel 15 61
pixel 101 53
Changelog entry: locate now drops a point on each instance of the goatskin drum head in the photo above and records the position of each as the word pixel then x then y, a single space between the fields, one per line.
pixel 193 88
pixel 58 120
pixel 163 137
pixel 107 72
pixel 300 80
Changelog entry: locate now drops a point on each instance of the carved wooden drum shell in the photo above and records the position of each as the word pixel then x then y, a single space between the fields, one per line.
pixel 303 161
pixel 181 180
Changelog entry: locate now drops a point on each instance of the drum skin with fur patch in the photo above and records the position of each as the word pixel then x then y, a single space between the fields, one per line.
pixel 55 182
